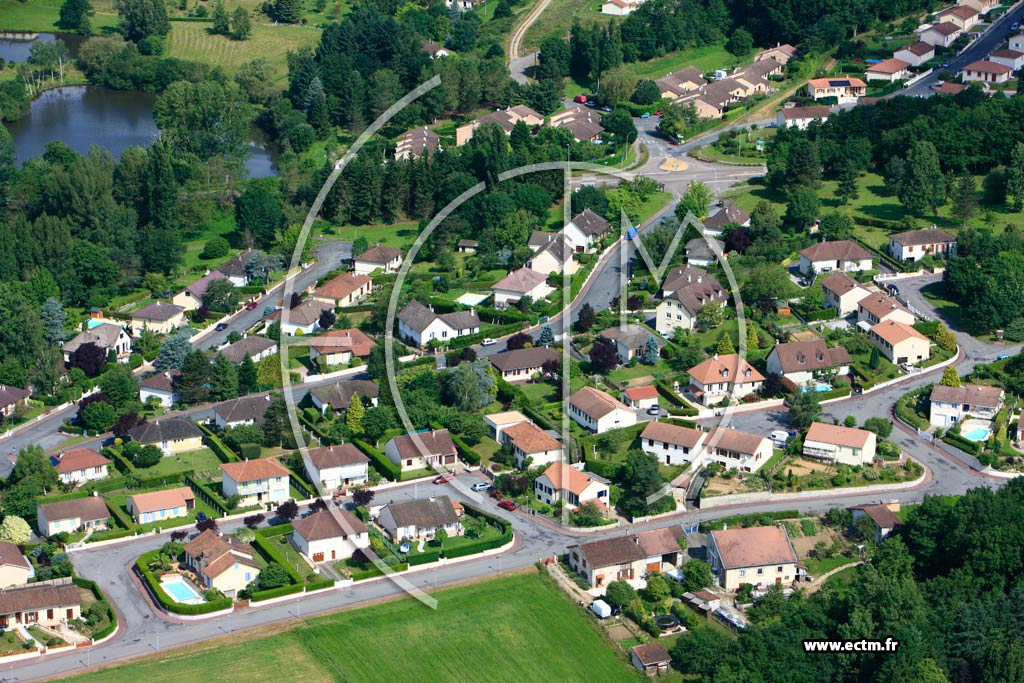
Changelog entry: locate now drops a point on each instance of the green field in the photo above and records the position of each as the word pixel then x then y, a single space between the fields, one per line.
pixel 518 628
pixel 558 16
pixel 706 58
pixel 41 15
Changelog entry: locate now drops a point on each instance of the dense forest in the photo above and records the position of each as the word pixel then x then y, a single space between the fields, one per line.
pixel 948 585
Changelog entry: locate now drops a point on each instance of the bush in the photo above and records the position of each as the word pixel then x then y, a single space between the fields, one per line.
pixel 380 462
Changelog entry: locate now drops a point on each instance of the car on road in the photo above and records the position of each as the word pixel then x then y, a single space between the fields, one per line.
pixel 200 516
pixel 945 65
pixel 506 504
pixel 591 103
pixel 443 478
pixel 645 115
pixel 221 327
pixel 654 410
pixel 251 306
pixel 1014 26
pixel 480 486
pixel 268 310
pixel 488 342
pixel 582 99
pixel 1002 356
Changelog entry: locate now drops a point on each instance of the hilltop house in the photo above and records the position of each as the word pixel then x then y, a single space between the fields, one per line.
pixel 672 444
pixel 157 506
pixel 598 412
pixel 422 450
pixel 160 386
pixel 520 365
pixel 839 445
pixel 627 558
pixel 900 343
pixel 802 362
pixel 530 442
pixel 737 450
pixel 172 435
pixel 79 465
pixel 336 467
pixel 347 289
pixel 159 317
pixel 222 562
pixel 518 284
pixel 107 336
pixel 761 556
pixel 843 255
pixel 420 325
pixel 949 405
pixel 257 481
pixel 420 518
pixel 721 377
pixel 89 513
pixel 330 535
pixel 679 83
pixel 376 258
pixel 780 53
pixel 562 482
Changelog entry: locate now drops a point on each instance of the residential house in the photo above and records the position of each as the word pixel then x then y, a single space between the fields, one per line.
pixel 497 423
pixel 780 53
pixel 845 90
pixel 761 556
pixel 159 317
pixel 584 123
pixel 619 8
pixel 844 255
pixel 336 467
pixel 303 319
pixel 521 365
pixel 15 569
pixel 986 72
pixel 941 35
pixel 679 83
pixel 78 465
pixel 802 362
pixel 422 450
pixel 962 16
pixel 434 51
pixel 236 269
pixel 627 558
pixel 191 297
pixel 916 54
pixel 754 77
pixel 737 450
pixel 172 435
pixel 160 386
pixel 107 336
pixel 842 292
pixel 255 346
pixel 950 88
pixel 339 347
pixel 157 506
pixel 703 251
pixel 802 117
pixel 561 481
pixel 330 535
pixel 506 119
pixel 597 411
pixel 650 659
pixel 247 410
pixel 377 258
pixel 420 518
pixel 716 223
pixel 631 340
pixel 983 6
pixel 347 289
pixel 257 481
pixel 584 231
pixel 883 518
pixel 672 444
pixel 949 405
pixel 714 99
pixel 721 377
pixel 683 298
pixel 11 398
pixel 913 245
pixel 1012 59
pixel 554 257
pixel 1017 42
pixel 530 442
pixel 468 246
pixel 419 324
pixel 419 141
pixel 518 284
pixel 900 343
pixel 888 70
pixel 46 603
pixel 640 398
pixel 835 444
pixel 221 561
pixel 89 513
pixel 876 308
pixel 339 395
pixel 462 5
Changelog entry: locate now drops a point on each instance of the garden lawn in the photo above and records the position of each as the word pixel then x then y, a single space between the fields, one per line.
pixel 527 628
pixel 817 567
pixel 707 58
pixel 291 555
pixel 399 235
pixel 202 460
pixel 42 15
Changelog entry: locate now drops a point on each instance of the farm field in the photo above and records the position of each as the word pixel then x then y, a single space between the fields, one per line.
pixel 527 628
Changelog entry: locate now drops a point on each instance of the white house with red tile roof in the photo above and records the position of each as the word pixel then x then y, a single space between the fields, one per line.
pixel 914 245
pixel 723 376
pixel 888 70
pixel 640 398
pixel 878 307
pixel 79 465
pixel 530 442
pixel 597 411
pixel 733 449
pixel 963 16
pixel 802 117
pixel 941 35
pixel 330 535
pixel 518 284
pixel 257 481
pixel 842 292
pixel 846 90
pixel 157 506
pixel 900 343
pixel 985 71
pixel 839 445
pixel 562 482
pixel 916 54
pixel 672 444
pixel 761 556
pixel 1013 59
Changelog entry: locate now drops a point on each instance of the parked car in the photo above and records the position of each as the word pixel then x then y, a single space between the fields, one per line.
pixel 221 327
pixel 200 516
pixel 658 113
pixel 480 486
pixel 251 306
pixel 488 342
pixel 591 103
pixel 606 108
pixel 582 99
pixel 1002 356
pixel 506 504
pixel 1014 26
pixel 645 115
pixel 268 310
pixel 654 410
pixel 443 478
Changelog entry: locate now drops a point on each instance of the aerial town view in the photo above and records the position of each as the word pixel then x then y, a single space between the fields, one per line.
pixel 606 341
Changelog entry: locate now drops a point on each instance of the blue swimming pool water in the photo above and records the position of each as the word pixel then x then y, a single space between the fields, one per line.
pixel 820 388
pixel 181 591
pixel 92 322
pixel 978 434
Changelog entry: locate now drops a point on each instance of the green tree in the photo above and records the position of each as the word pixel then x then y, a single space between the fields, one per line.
pixel 1014 177
pixel 710 315
pixel 619 593
pixel 32 463
pixel 470 386
pixel 354 416
pixel 875 359
pixel 15 530
pixel 725 346
pixel 802 208
pixel 586 318
pixel 247 376
pixel 120 385
pixel 836 226
pixel 148 456
pixel 74 17
pixel 950 377
pixel 697 576
pixel 220 295
pixel 617 85
pixel 620 124
pixel 141 19
pixel 98 416
pixel 696 200
pixel 259 212
pixel 546 338
pixel 740 42
pixel 172 353
pixel 922 186
pixel 207 118
pixel 765 283
pixel 640 480
pixel 651 351
pixel 220 20
pixel 965 198
pixel 847 187
pixel 804 407
pixel 288 11
pixel 193 386
pixel 879 425
pixel 223 379
pixel 273 575
pixel 275 421
pixel 647 92
pixel 440 536
pixel 54 320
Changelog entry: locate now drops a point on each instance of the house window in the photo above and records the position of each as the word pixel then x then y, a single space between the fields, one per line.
pixel 760 571
pixel 743 572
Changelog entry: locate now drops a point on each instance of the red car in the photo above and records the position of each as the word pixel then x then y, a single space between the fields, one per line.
pixel 251 305
pixel 580 98
pixel 443 478
pixel 507 504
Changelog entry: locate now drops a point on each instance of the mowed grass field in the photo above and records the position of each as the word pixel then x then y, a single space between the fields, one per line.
pixel 41 15
pixel 193 41
pixel 558 16
pixel 520 628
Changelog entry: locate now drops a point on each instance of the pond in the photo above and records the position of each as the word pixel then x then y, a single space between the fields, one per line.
pixel 85 115
pixel 14 47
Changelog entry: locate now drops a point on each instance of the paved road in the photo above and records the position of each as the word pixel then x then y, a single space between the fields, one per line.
pixel 992 39
pixel 519 63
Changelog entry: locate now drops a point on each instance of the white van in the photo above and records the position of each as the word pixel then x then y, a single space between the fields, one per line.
pixel 601 608
pixel 780 437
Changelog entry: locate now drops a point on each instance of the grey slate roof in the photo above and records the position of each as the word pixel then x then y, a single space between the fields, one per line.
pixel 169 429
pixel 339 395
pixel 252 345
pixel 424 513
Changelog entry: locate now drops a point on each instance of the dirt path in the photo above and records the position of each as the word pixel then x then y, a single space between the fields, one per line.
pixel 517 63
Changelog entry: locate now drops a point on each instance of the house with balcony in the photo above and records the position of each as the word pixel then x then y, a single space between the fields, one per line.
pixel 733 449
pixel 950 405
pixel 563 482
pixel 257 481
pixel 721 377
pixel 835 444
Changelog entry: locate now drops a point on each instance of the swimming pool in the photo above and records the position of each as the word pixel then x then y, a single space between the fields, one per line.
pixel 819 387
pixel 181 591
pixel 978 434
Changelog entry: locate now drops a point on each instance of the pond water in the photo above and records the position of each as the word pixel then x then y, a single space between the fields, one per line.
pixel 81 116
pixel 14 47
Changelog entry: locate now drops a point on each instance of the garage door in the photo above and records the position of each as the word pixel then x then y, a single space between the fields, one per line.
pixel 318 557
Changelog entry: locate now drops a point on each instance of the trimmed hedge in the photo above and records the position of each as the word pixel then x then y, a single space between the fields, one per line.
pixel 121 463
pixel 964 444
pixel 276 592
pixel 208 495
pixel 122 517
pixel 372 571
pixel 319 585
pixel 834 393
pixel 426 557
pixel 466 452
pixel 380 462
pixel 361 513
pixel 499 331
pixel 110 535
pixel 98 594
pixel 218 447
pixel 272 554
pixel 820 314
pixel 603 468
pixel 165 600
